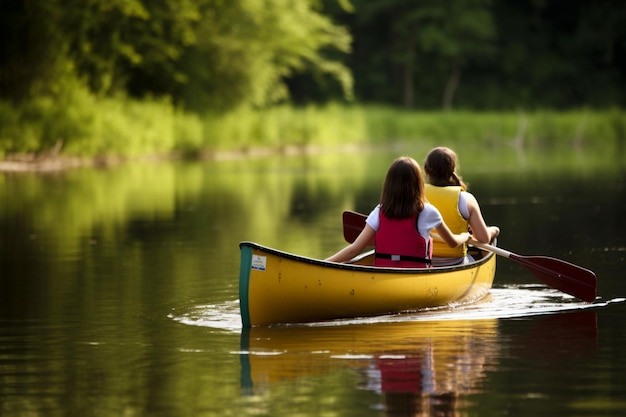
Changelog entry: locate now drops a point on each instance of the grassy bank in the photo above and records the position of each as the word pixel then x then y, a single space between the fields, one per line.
pixel 79 125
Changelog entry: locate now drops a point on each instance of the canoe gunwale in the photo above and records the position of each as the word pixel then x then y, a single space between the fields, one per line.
pixel 366 268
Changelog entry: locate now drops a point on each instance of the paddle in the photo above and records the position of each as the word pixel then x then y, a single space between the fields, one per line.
pixel 561 275
pixel 353 224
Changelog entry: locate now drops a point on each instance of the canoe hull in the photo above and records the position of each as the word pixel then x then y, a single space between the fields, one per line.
pixel 279 287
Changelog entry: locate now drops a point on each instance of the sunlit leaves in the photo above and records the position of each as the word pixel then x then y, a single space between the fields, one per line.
pixel 246 48
pixel 210 55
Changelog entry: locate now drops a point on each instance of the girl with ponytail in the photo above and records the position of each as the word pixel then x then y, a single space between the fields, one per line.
pixel 459 208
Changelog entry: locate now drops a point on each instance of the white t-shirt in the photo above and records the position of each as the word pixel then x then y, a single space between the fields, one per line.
pixel 463 205
pixel 427 220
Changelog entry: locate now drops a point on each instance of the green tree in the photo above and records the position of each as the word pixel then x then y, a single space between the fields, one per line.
pixel 428 37
pixel 248 48
pixel 205 54
pixel 560 54
pixel 488 55
pixel 130 45
pixel 32 48
pixel 100 42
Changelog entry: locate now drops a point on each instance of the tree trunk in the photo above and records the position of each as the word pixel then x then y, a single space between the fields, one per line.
pixel 409 69
pixel 451 86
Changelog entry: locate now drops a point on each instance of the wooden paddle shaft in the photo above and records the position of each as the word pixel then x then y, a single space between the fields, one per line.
pixel 490 248
pixel 485 246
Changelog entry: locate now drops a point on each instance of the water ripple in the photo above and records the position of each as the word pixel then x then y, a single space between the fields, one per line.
pixel 500 303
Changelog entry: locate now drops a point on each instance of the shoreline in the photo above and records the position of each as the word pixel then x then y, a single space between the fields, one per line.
pixel 57 163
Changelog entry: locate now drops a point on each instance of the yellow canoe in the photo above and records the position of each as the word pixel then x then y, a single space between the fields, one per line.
pixel 280 287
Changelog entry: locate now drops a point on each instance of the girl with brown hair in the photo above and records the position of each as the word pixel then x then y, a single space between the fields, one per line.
pixel 459 208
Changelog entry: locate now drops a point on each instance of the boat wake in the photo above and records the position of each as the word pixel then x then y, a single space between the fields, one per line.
pixel 224 316
pixel 500 303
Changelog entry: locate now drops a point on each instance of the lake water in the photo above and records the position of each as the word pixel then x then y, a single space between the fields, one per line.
pixel 118 293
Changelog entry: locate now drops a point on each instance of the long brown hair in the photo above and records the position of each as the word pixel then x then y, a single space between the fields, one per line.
pixel 440 166
pixel 403 191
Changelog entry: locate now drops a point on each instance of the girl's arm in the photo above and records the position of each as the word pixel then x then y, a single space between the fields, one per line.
pixel 453 240
pixel 480 231
pixel 356 247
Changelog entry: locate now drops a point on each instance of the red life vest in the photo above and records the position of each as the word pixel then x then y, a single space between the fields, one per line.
pixel 400 245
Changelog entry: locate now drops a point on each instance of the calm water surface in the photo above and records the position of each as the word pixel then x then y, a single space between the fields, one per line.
pixel 118 294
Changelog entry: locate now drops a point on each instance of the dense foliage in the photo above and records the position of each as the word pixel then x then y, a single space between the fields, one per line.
pixel 203 54
pixel 77 74
pixel 488 54
pixel 217 55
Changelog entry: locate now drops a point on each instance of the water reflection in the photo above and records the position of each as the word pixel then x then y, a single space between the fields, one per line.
pixel 417 364
pixel 416 368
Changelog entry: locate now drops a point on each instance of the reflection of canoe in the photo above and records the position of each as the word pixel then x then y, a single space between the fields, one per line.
pixel 453 350
pixel 279 287
pixel 434 357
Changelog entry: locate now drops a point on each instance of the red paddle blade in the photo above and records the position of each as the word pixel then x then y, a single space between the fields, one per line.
pixel 353 224
pixel 564 276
